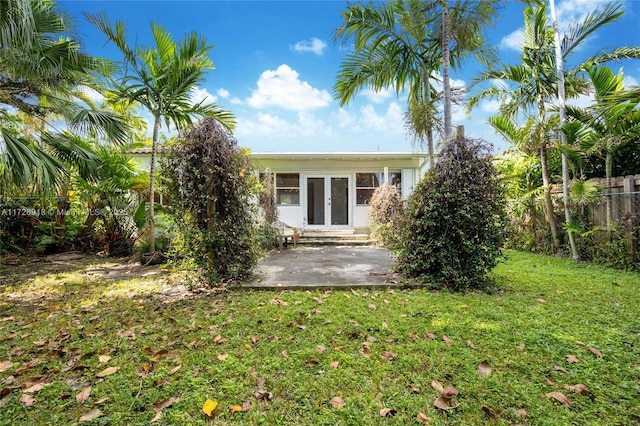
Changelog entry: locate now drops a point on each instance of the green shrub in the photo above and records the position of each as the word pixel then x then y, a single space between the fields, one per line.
pixel 385 214
pixel 210 183
pixel 453 230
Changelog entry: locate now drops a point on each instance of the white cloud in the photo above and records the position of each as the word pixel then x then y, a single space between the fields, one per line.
pixel 491 106
pixel 513 41
pixel 379 96
pixel 283 88
pixel 202 95
pixel 392 120
pixel 629 82
pixel 224 94
pixel 314 45
pixel 263 125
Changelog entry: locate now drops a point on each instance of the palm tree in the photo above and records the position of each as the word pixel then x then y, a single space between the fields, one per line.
pixel 534 81
pixel 161 79
pixel 42 74
pixel 605 130
pixel 398 44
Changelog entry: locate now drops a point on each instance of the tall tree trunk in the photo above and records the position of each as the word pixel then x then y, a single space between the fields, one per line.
pixel 563 135
pixel 426 98
pixel 152 184
pixel 551 217
pixel 446 62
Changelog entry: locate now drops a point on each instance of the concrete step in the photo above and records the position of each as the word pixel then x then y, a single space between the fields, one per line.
pixel 336 242
pixel 335 237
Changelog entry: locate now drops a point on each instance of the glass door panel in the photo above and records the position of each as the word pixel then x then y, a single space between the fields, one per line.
pixel 315 201
pixel 339 201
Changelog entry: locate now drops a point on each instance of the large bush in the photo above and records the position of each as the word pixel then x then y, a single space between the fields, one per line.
pixel 210 182
pixel 454 226
pixel 385 214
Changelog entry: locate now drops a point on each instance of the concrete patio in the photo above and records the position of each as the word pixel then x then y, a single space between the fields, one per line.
pixel 306 267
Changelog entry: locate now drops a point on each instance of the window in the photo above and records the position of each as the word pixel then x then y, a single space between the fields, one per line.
pixel 288 188
pixel 366 184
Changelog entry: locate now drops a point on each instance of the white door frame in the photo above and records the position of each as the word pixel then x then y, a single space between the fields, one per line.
pixel 327 200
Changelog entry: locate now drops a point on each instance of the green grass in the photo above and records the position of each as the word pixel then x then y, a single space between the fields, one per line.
pixel 547 308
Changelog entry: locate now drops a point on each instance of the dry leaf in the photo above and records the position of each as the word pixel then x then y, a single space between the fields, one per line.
pixel 559 396
pixel 429 336
pixel 579 388
pixel 157 417
pixel 423 418
pixel 387 412
pixel 321 348
pixel 174 370
pixel 465 306
pixel 108 371
pixel 5 365
pixel 248 346
pixel 443 402
pixel 484 369
pixel 389 356
pixel 26 399
pixel 541 300
pixel 450 391
pixel 437 386
pixel 209 406
pixel 334 364
pixel 103 359
pixel 235 408
pixel 254 339
pixel 94 413
pixel 246 406
pixel 101 400
pixel 558 368
pixel 262 394
pixel 414 388
pixel 372 306
pixel 385 325
pixel 447 340
pixel 595 352
pixel 260 382
pixel 223 357
pixel 219 340
pixel 34 388
pixel 572 359
pixel 285 354
pixel 166 403
pixel 470 344
pixel 337 402
pixel 83 395
pixel 413 336
pixel 522 413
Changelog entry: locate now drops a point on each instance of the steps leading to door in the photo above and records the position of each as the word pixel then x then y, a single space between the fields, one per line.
pixel 342 237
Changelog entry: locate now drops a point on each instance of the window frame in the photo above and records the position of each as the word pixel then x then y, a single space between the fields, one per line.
pixel 277 188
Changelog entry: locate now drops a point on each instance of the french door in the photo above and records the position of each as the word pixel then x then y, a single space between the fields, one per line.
pixel 328 200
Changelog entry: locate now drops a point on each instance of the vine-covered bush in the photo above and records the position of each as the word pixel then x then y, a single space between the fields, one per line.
pixel 453 230
pixel 209 180
pixel 385 214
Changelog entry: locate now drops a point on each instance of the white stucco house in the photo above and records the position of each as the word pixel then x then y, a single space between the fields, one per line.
pixel 330 190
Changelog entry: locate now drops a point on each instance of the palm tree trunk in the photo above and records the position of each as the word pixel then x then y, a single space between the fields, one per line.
pixel 446 82
pixel 563 136
pixel 551 217
pixel 152 184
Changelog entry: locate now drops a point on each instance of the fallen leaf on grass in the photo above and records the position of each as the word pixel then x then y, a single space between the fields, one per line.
pixel 541 300
pixel 103 359
pixel 372 306
pixel 429 336
pixel 236 408
pixel 34 388
pixel 174 370
pixel 443 402
pixel 522 413
pixel 559 396
pixel 572 359
pixel 107 371
pixel 26 399
pixel 447 340
pixel 94 413
pixel 209 406
pixel 334 364
pixel 222 357
pixel 465 306
pixel 484 369
pixel 166 403
pixel 579 388
pixel 321 348
pixel 389 356
pixel 337 402
pixel 595 352
pixel 219 340
pixel 471 344
pixel 558 368
pixel 101 400
pixel 387 412
pixel 262 394
pixel 5 365
pixel 83 395
pixel 423 418
pixel 437 386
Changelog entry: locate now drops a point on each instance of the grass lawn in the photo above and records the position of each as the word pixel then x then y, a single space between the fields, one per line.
pixel 313 358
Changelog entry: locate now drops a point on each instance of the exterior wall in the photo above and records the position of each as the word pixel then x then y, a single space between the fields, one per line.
pixel 316 166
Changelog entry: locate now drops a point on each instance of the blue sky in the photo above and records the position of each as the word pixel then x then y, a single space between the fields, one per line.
pixel 276 64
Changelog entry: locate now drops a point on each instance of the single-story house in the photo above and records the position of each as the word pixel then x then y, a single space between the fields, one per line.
pixel 329 190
